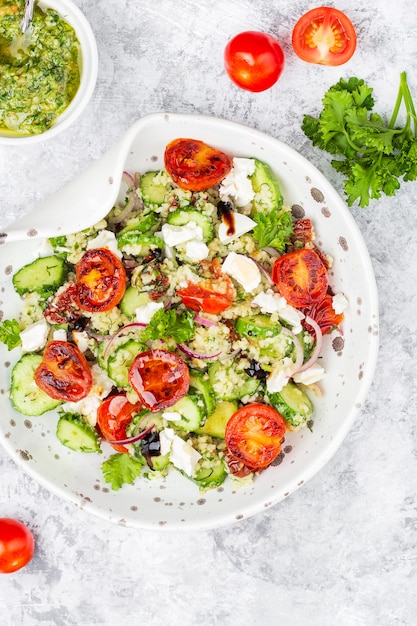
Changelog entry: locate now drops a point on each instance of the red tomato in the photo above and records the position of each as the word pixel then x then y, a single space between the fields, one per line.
pixel 254 435
pixel 16 545
pixel 324 35
pixel 194 165
pixel 253 60
pixel 200 299
pixel 113 416
pixel 63 307
pixel 101 280
pixel 323 313
pixel 64 373
pixel 160 378
pixel 300 277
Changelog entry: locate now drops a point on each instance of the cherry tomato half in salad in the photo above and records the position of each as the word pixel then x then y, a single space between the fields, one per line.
pixel 254 61
pixel 300 277
pixel 324 315
pixel 254 435
pixel 325 36
pixel 113 416
pixel 160 378
pixel 17 545
pixel 101 280
pixel 194 165
pixel 200 299
pixel 64 373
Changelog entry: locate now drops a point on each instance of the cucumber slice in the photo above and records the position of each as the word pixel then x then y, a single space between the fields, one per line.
pixel 75 433
pixel 257 326
pixel 209 477
pixel 121 359
pixel 294 405
pixel 25 395
pixel 201 383
pixel 215 424
pixel 141 224
pixel 190 407
pixel 153 192
pixel 131 300
pixel 136 243
pixel 181 217
pixel 230 383
pixel 266 187
pixel 43 276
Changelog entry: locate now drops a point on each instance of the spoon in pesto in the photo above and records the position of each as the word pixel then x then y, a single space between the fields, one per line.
pixel 28 15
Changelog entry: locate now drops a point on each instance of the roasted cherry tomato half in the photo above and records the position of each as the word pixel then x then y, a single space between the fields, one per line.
pixel 17 545
pixel 160 378
pixel 254 435
pixel 63 307
pixel 64 373
pixel 113 416
pixel 324 315
pixel 254 61
pixel 325 36
pixel 101 280
pixel 200 299
pixel 194 165
pixel 300 277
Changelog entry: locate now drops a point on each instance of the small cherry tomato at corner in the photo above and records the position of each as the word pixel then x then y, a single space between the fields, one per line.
pixel 17 545
pixel 325 36
pixel 254 61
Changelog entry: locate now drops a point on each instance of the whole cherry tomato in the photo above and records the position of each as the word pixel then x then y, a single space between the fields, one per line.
pixel 254 61
pixel 101 280
pixel 300 277
pixel 113 416
pixel 17 545
pixel 64 373
pixel 325 36
pixel 194 165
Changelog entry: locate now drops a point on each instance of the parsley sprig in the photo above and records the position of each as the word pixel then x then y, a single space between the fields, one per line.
pixel 10 333
pixel 376 154
pixel 169 323
pixel 273 229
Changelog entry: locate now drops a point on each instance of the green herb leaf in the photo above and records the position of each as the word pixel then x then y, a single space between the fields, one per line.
pixel 10 334
pixel 273 229
pixel 170 323
pixel 121 469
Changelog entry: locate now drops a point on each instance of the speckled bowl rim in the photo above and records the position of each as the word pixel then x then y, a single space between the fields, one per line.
pixel 176 505
pixel 89 71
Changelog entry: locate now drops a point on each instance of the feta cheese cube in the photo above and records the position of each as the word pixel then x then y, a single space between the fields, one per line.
pixel 242 224
pixel 196 250
pixel 145 312
pixel 237 185
pixel 34 336
pixel 105 239
pixel 243 270
pixel 181 453
pixel 339 303
pixel 176 235
pixel 271 302
pixel 312 375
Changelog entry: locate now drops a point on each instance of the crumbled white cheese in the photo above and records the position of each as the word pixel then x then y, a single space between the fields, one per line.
pixel 181 453
pixel 34 336
pixel 339 303
pixel 105 239
pixel 280 375
pixel 242 224
pixel 237 185
pixel 243 270
pixel 271 302
pixel 145 312
pixel 81 339
pixel 312 375
pixel 100 389
pixel 60 334
pixel 171 416
pixel 175 235
pixel 196 250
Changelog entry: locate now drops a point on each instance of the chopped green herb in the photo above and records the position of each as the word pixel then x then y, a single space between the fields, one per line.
pixel 10 334
pixel 121 469
pixel 273 229
pixel 169 323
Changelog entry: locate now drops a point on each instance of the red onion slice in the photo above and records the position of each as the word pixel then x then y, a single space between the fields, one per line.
pixel 203 321
pixel 196 355
pixel 317 348
pixel 299 351
pixel 119 332
pixel 125 442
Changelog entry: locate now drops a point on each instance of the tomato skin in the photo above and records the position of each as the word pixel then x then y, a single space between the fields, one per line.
pixel 254 61
pixel 324 315
pixel 160 378
pixel 325 36
pixel 200 299
pixel 254 434
pixel 17 545
pixel 64 373
pixel 101 280
pixel 194 165
pixel 300 277
pixel 113 416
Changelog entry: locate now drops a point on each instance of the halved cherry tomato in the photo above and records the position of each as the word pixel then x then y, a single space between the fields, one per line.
pixel 63 307
pixel 254 61
pixel 200 299
pixel 17 545
pixel 254 435
pixel 300 277
pixel 160 378
pixel 113 416
pixel 323 313
pixel 325 36
pixel 101 280
pixel 64 373
pixel 194 165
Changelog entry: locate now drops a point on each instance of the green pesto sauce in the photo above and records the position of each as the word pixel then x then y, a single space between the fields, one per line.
pixel 39 71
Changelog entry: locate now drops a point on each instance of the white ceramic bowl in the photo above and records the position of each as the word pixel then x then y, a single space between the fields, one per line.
pixel 349 359
pixel 89 69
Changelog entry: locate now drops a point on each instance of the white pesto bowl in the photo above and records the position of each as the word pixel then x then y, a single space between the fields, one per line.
pixel 89 69
pixel 349 359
